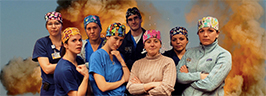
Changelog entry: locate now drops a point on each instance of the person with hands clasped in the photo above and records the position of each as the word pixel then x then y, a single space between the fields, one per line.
pixel 70 77
pixel 108 70
pixel 205 67
pixel 154 74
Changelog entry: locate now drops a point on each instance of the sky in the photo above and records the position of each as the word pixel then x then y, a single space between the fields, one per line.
pixel 22 23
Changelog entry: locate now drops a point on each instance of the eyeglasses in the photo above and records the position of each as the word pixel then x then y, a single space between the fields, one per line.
pixel 51 24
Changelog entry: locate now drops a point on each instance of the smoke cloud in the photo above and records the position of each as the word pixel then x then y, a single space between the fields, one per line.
pixel 109 11
pixel 241 34
pixel 21 76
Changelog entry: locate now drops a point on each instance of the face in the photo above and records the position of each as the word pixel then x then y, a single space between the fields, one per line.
pixel 114 42
pixel 54 27
pixel 152 46
pixel 74 44
pixel 93 31
pixel 207 35
pixel 134 22
pixel 179 42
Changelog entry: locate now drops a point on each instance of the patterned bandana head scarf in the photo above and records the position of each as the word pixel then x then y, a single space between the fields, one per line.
pixel 151 34
pixel 68 32
pixel 90 19
pixel 53 16
pixel 178 30
pixel 116 29
pixel 208 22
pixel 133 11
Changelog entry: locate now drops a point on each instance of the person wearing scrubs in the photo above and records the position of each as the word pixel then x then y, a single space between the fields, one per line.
pixel 94 42
pixel 47 51
pixel 71 75
pixel 179 41
pixel 108 70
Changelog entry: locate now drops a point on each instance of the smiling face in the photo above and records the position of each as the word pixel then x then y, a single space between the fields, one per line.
pixel 152 46
pixel 74 44
pixel 114 42
pixel 207 35
pixel 93 31
pixel 179 42
pixel 134 22
pixel 54 27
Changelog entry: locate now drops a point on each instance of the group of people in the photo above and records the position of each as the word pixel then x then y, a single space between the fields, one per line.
pixel 129 64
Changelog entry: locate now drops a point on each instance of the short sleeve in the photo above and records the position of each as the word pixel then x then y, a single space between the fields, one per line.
pixel 39 50
pixel 95 65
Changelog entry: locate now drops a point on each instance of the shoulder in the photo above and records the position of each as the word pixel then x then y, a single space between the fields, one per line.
pixel 221 50
pixel 98 54
pixel 140 61
pixel 167 53
pixel 43 39
pixel 193 49
pixel 167 59
pixel 42 44
pixel 128 34
pixel 62 65
pixel 62 62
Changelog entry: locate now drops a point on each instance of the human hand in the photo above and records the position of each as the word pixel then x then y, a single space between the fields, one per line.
pixel 183 69
pixel 203 75
pixel 135 80
pixel 83 70
pixel 117 55
pixel 156 84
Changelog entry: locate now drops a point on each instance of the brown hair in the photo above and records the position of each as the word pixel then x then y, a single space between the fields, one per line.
pixel 63 50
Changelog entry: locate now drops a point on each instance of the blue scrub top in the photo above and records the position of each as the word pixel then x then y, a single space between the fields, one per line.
pixel 89 49
pixel 171 53
pixel 66 77
pixel 43 48
pixel 112 71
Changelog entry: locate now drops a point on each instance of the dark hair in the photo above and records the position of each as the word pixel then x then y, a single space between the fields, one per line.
pixel 132 11
pixel 63 50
